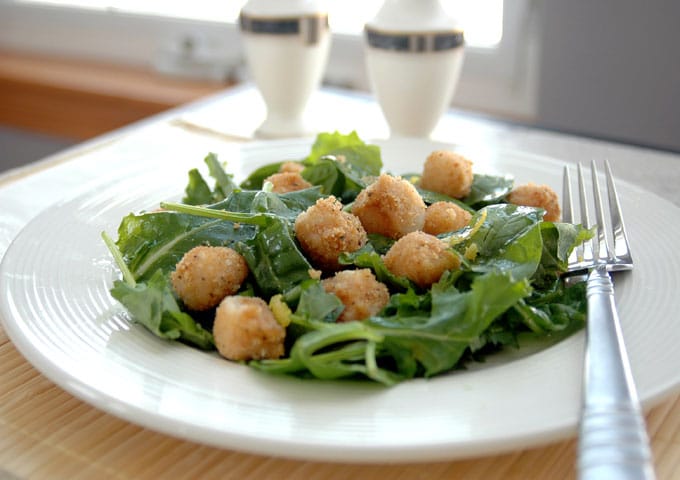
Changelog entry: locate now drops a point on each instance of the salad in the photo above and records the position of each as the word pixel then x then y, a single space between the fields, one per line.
pixel 328 267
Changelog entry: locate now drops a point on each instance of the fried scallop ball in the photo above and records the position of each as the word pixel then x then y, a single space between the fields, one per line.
pixel 420 257
pixel 245 329
pixel 284 182
pixel 360 293
pixel 294 167
pixel 325 231
pixel 442 217
pixel 205 275
pixel 447 172
pixel 541 196
pixel 391 206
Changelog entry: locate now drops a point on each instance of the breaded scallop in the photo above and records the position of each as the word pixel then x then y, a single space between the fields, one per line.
pixel 245 329
pixel 205 275
pixel 391 206
pixel 447 172
pixel 284 182
pixel 325 231
pixel 295 167
pixel 360 293
pixel 420 257
pixel 541 196
pixel 442 217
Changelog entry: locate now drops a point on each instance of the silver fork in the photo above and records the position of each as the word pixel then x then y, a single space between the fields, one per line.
pixel 613 442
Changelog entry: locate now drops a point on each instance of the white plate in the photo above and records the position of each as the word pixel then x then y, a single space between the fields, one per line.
pixel 56 307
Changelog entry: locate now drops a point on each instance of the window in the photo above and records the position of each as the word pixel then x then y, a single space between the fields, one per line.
pixel 200 38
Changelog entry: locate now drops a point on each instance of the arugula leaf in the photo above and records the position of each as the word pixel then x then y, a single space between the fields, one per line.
pixel 256 179
pixel 509 240
pixel 340 164
pixel 316 304
pixel 488 189
pixel 273 257
pixel 345 172
pixel 153 305
pixel 559 309
pixel 392 348
pixel 430 197
pixel 485 190
pixel 367 257
pixel 287 205
pixel 436 342
pixel 224 182
pixel 158 240
pixel 559 240
pixel 197 191
pixel 326 143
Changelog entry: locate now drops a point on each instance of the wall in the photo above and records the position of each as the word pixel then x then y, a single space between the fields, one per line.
pixel 611 68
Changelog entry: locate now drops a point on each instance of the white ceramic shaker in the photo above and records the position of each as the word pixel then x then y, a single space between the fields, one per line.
pixel 286 46
pixel 414 54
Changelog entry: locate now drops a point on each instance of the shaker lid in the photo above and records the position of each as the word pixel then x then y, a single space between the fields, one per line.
pixel 410 16
pixel 289 8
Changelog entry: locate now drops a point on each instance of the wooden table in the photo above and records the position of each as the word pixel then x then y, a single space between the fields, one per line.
pixel 47 433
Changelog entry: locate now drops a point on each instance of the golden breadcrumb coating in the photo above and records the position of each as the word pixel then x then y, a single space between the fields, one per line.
pixel 284 182
pixel 541 196
pixel 325 231
pixel 360 293
pixel 205 275
pixel 442 217
pixel 447 172
pixel 245 329
pixel 420 257
pixel 391 206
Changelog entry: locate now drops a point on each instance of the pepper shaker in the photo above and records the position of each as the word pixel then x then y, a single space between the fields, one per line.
pixel 286 45
pixel 414 54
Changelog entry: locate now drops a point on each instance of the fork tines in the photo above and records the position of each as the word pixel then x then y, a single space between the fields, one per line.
pixel 610 243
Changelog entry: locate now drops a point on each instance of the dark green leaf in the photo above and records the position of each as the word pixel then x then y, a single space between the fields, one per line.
pixel 197 191
pixel 158 240
pixel 326 143
pixel 488 189
pixel 274 258
pixel 256 179
pixel 508 240
pixel 153 305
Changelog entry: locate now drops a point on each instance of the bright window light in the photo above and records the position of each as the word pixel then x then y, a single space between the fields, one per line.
pixel 482 20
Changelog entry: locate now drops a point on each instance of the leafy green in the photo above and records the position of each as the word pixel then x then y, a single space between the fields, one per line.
pixel 508 240
pixel 485 190
pixel 341 164
pixel 273 257
pixel 328 143
pixel 559 239
pixel 430 197
pixel 153 305
pixel 158 240
pixel 392 348
pixel 256 179
pixel 488 189
pixel 508 288
pixel 197 191
pixel 367 257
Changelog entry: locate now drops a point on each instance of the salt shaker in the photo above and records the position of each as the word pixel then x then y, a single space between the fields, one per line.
pixel 414 54
pixel 286 45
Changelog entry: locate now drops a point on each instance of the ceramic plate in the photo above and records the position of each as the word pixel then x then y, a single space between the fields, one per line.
pixel 56 307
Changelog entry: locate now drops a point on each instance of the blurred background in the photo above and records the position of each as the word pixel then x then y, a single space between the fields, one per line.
pixel 73 69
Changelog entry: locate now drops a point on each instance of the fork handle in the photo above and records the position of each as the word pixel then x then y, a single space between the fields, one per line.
pixel 613 440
